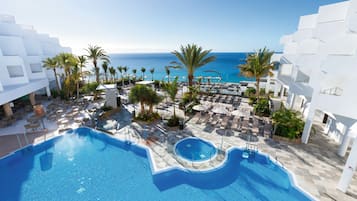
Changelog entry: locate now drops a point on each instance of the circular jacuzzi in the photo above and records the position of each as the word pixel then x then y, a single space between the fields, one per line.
pixel 195 149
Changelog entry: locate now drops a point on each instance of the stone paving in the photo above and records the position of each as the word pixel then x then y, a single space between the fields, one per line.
pixel 316 166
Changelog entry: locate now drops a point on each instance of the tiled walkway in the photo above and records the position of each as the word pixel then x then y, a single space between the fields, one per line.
pixel 316 165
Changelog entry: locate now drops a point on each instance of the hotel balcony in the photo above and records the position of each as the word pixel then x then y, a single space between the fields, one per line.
pixel 32 43
pixel 10 29
pixel 13 70
pixel 297 81
pixel 307 65
pixel 331 21
pixel 337 102
pixel 17 90
pixel 34 67
pixel 12 46
pixel 7 19
pixel 50 50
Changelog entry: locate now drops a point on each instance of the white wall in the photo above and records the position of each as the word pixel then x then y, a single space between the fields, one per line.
pixel 324 51
pixel 22 51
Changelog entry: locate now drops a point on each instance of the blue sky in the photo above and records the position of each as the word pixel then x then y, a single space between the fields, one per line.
pixel 163 25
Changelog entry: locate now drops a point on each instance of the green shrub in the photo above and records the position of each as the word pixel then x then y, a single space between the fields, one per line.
pixel 186 99
pixel 54 93
pixel 262 91
pixel 106 108
pixel 173 121
pixel 262 107
pixel 147 116
pixel 62 95
pixel 88 88
pixel 250 92
pixel 288 124
pixel 252 100
pixel 157 84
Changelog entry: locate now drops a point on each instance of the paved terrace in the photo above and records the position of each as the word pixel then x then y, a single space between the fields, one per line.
pixel 316 165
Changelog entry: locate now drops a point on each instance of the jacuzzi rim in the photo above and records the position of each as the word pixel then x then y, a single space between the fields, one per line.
pixel 195 162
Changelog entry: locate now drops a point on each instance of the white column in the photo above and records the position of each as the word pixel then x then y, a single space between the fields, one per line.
pixel 345 142
pixel 48 91
pixel 328 124
pixel 282 92
pixel 32 98
pixel 59 82
pixel 346 135
pixel 292 101
pixel 308 125
pixel 349 169
pixel 276 89
pixel 267 85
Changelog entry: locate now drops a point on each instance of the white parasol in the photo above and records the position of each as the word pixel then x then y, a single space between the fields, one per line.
pixel 200 107
pixel 220 110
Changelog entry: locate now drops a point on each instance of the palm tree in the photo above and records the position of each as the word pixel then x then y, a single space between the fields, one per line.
pixel 76 76
pixel 258 65
pixel 125 69
pixel 167 70
pixel 134 72
pixel 105 69
pixel 82 60
pixel 139 94
pixel 67 61
pixel 143 72
pixel 120 69
pixel 192 57
pixel 172 89
pixel 152 70
pixel 96 53
pixel 112 72
pixel 153 99
pixel 51 63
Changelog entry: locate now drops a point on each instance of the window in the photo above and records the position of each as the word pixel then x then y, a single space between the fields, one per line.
pixel 15 71
pixel 36 68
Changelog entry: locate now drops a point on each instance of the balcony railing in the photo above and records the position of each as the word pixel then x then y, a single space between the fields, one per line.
pixel 335 91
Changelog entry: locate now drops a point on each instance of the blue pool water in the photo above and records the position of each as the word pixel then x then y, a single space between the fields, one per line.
pixel 195 149
pixel 93 166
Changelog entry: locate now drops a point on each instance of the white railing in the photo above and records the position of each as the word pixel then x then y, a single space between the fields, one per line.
pixel 335 91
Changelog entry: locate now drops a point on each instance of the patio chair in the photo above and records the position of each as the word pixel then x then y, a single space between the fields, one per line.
pixel 268 130
pixel 200 119
pixel 235 125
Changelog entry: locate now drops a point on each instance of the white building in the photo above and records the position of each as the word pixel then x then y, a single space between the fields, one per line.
pixel 319 71
pixel 22 50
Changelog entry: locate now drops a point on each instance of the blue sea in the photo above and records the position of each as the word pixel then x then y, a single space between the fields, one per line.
pixel 225 63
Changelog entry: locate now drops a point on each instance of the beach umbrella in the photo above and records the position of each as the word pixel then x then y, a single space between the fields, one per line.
pixel 199 107
pixel 245 109
pixel 220 110
pixel 237 113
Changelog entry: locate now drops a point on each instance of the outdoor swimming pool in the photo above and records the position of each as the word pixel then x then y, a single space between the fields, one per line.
pixel 89 165
pixel 195 149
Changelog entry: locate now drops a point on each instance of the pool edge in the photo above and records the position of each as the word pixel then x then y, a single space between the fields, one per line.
pixel 155 170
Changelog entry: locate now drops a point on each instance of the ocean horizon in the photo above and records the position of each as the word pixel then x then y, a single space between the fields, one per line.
pixel 225 64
